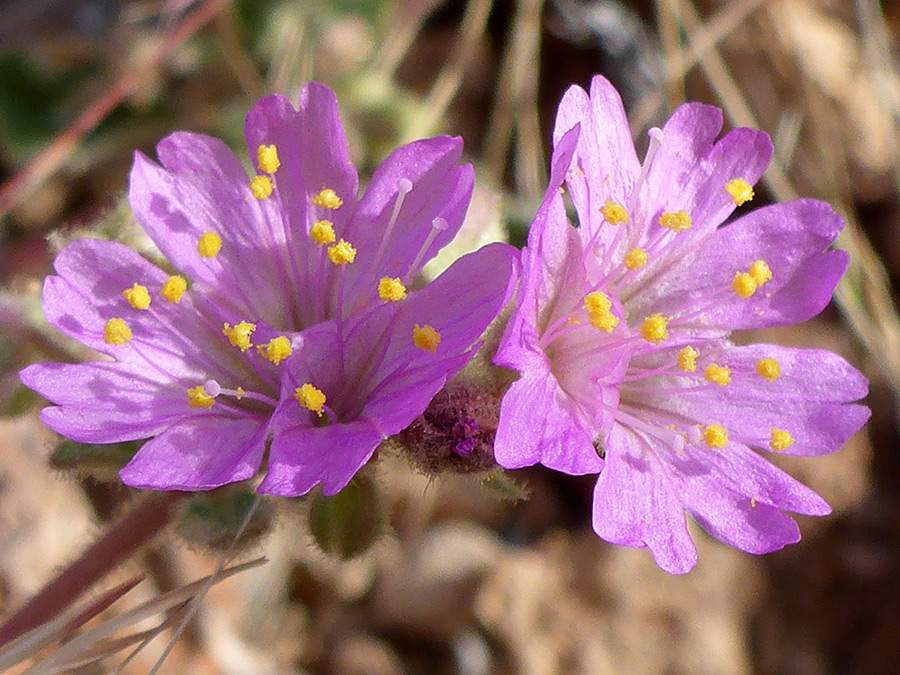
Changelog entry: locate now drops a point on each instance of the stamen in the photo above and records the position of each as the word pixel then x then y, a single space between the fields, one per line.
pixel 598 306
pixel 137 296
pixel 636 258
pixel 721 375
pixel 781 440
pixel 198 398
pixel 614 213
pixel 209 245
pixel 687 359
pixel 655 328
pixel 391 289
pixel 715 436
pixel 438 225
pixel 311 398
pixel 261 187
pixel 341 253
pixel 276 350
pixel 404 187
pixel 116 332
pixel 677 221
pixel 740 191
pixel 173 288
pixel 769 369
pixel 426 338
pixel 267 158
pixel 760 272
pixel 328 199
pixel 239 335
pixel 656 139
pixel 322 232
pixel 744 284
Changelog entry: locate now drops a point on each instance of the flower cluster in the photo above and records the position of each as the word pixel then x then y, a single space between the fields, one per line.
pixel 621 334
pixel 297 327
pixel 291 318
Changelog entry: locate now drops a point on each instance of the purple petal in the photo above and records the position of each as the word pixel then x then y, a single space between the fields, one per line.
pixel 203 188
pixel 808 400
pixel 605 165
pixel 741 470
pixel 789 237
pixel 538 423
pixel 104 402
pixel 688 139
pixel 459 305
pixel 314 155
pixel 88 293
pixel 635 504
pixel 200 453
pixel 440 189
pixel 303 457
pixel 737 521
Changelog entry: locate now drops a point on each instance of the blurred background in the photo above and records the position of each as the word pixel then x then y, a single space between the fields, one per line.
pixel 458 574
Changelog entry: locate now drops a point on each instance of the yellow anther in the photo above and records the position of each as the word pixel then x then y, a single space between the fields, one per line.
pixel 341 253
pixel 655 328
pixel 614 213
pixel 173 288
pixel 116 332
pixel 753 502
pixel 677 221
pixel 740 190
pixel 687 359
pixel 198 398
pixel 598 306
pixel 604 321
pixel 760 272
pixel 781 440
pixel 636 258
pixel 310 398
pixel 137 296
pixel 715 436
pixel 327 199
pixel 391 289
pixel 721 375
pixel 276 350
pixel 322 232
pixel 769 369
pixel 597 301
pixel 261 187
pixel 426 338
pixel 209 245
pixel 239 393
pixel 239 336
pixel 267 158
pixel 744 284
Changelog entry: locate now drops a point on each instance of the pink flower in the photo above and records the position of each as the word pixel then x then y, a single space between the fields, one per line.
pixel 622 326
pixel 196 360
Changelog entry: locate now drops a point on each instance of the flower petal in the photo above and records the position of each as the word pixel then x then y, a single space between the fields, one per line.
pixel 440 189
pixel 201 453
pixel 202 188
pixel 809 399
pixel 538 423
pixel 302 457
pixel 789 237
pixel 105 402
pixel 635 504
pixel 605 165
